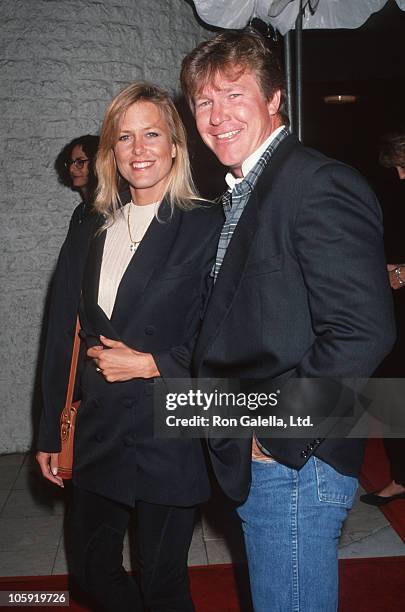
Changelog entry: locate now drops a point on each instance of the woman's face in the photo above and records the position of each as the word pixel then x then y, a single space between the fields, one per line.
pixel 79 176
pixel 144 152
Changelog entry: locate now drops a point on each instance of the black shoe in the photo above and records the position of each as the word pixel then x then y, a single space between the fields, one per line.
pixel 377 500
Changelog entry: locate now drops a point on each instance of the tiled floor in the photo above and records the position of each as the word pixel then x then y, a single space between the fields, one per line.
pixel 32 540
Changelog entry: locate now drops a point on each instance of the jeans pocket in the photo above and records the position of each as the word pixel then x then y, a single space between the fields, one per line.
pixel 333 487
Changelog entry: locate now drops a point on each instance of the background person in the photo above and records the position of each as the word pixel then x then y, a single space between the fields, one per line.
pixel 392 155
pixel 75 166
pixel 139 285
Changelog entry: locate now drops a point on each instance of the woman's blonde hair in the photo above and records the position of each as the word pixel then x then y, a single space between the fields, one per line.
pixel 180 188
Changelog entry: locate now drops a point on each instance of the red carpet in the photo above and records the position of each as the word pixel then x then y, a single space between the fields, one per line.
pixel 372 585
pixel 366 585
pixel 375 475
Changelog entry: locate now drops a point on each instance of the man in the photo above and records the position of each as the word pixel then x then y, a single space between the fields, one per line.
pixel 300 290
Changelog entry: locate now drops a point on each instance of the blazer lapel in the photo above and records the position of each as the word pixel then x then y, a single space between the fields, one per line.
pixel 229 277
pixel 236 258
pixel 151 254
pixel 95 315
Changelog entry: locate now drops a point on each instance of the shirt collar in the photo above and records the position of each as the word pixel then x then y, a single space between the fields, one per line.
pixel 251 161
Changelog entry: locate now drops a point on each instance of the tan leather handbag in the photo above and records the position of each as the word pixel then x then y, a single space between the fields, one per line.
pixel 69 414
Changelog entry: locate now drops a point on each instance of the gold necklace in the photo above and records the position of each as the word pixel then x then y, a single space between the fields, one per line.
pixel 134 243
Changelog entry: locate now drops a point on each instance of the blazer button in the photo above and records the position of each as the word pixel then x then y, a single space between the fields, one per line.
pixel 304 454
pixel 149 330
pixel 99 437
pixel 128 403
pixel 128 441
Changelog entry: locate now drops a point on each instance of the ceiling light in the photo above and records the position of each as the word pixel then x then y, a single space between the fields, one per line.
pixel 340 99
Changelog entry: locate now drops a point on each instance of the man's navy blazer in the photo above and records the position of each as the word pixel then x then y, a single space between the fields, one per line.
pixel 302 291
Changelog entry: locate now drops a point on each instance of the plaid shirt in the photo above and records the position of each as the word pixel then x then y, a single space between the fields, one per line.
pixel 234 202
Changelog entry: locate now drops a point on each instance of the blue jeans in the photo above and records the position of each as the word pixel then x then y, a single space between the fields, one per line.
pixel 292 522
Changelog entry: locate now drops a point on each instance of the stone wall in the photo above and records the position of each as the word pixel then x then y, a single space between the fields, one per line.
pixel 61 62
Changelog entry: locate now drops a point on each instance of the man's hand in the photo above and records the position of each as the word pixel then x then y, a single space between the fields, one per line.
pixel 49 467
pixel 396 273
pixel 258 455
pixel 120 363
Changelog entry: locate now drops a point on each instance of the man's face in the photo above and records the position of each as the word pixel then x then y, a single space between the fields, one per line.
pixel 234 118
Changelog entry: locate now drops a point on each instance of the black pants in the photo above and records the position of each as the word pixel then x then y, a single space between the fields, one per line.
pixel 163 537
pixel 395 449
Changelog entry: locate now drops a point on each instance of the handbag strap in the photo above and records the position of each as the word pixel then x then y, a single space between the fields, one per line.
pixel 73 367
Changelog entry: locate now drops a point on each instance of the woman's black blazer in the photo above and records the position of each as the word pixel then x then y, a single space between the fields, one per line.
pixel 158 309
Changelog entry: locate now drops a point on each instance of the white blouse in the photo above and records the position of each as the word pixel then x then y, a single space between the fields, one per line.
pixel 119 248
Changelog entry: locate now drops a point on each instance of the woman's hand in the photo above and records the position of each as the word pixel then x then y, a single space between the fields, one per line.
pixel 49 467
pixel 396 273
pixel 120 363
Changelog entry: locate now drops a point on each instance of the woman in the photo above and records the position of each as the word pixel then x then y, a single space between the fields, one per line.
pixel 139 285
pixel 75 168
pixel 392 155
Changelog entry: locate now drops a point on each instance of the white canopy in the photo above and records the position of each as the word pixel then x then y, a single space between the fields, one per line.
pixel 281 14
